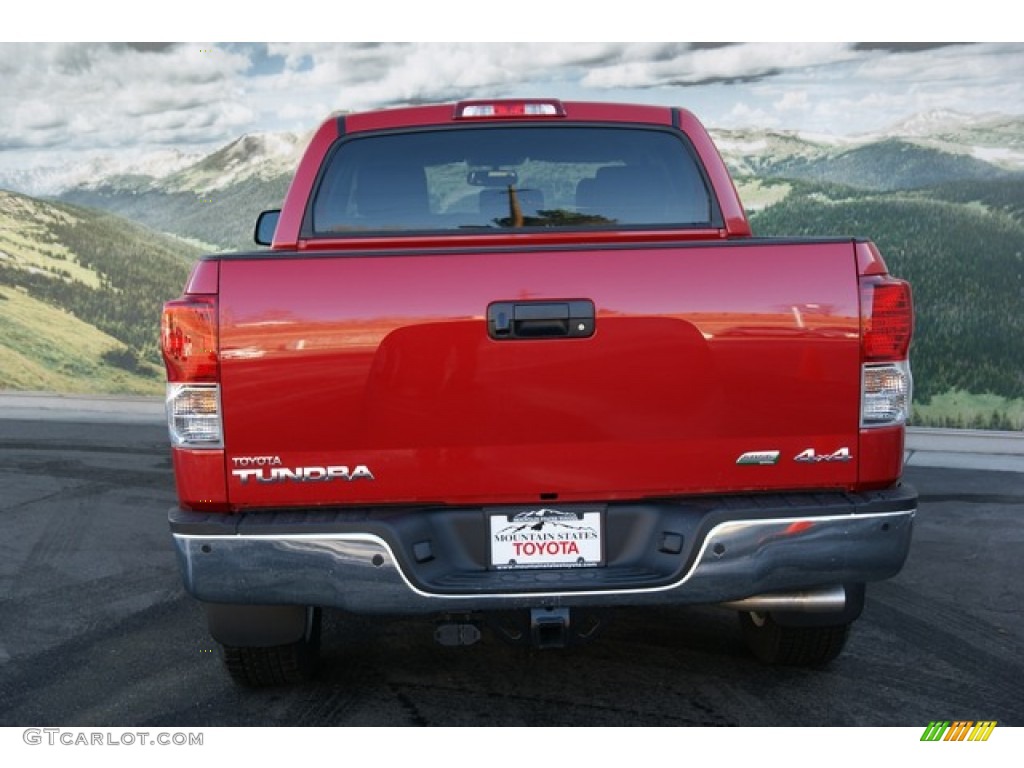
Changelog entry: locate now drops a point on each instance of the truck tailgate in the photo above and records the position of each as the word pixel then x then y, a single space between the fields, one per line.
pixel 374 378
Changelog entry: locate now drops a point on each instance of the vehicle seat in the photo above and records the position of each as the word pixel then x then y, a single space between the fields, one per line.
pixel 391 196
pixel 625 194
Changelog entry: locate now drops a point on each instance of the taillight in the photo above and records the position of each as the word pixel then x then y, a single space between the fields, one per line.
pixel 887 325
pixel 193 415
pixel 188 340
pixel 887 318
pixel 886 390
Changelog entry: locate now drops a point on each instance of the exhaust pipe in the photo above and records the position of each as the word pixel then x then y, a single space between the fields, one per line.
pixel 827 600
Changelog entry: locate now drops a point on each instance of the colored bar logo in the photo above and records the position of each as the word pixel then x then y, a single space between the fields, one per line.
pixel 960 730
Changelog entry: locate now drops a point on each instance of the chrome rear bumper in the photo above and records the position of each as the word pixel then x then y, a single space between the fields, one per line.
pixel 368 572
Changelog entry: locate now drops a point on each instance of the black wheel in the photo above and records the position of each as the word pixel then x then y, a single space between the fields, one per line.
pixel 795 646
pixel 258 667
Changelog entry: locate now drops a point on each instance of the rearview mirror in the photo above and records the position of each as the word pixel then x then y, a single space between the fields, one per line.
pixel 495 177
pixel 266 224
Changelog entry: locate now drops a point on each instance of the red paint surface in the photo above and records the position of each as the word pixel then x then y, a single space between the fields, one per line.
pixel 881 456
pixel 199 478
pixel 385 361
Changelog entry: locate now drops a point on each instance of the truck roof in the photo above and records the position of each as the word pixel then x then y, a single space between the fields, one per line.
pixel 505 110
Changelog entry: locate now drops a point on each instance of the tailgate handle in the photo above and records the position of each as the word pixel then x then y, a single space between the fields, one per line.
pixel 540 319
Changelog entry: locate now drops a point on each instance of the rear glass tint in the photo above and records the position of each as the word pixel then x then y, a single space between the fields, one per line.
pixel 501 178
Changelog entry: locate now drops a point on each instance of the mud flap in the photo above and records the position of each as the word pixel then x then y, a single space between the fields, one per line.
pixel 256 626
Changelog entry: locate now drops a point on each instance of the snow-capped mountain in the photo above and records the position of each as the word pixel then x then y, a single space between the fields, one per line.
pixel 751 152
pixel 260 156
pixel 935 122
pixel 92 170
pixel 214 199
pixel 992 138
pixel 925 149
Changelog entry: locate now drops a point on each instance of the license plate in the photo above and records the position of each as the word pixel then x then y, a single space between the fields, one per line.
pixel 546 538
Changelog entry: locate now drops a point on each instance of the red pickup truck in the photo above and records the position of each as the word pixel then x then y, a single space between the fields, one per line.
pixel 525 358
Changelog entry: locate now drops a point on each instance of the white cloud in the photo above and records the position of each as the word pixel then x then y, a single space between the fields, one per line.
pixel 84 95
pixel 743 114
pixel 793 101
pixel 730 63
pixel 365 76
pixel 79 97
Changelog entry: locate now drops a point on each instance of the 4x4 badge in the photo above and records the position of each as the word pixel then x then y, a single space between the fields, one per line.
pixel 810 457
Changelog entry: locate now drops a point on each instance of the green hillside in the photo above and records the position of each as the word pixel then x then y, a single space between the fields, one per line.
pixel 885 166
pixel 46 349
pixel 222 219
pixel 1005 195
pixel 80 297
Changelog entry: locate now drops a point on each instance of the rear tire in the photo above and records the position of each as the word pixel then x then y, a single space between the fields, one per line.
pixel 793 646
pixel 259 667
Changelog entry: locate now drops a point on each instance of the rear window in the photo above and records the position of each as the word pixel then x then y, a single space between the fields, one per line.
pixel 498 178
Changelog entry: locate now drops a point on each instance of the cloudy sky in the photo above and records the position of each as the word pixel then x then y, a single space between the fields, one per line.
pixel 69 100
